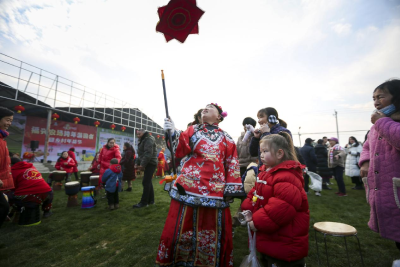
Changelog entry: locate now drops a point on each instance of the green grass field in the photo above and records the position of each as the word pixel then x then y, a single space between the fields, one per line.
pixel 127 237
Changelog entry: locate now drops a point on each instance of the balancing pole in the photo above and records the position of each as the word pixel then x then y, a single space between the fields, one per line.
pixel 169 131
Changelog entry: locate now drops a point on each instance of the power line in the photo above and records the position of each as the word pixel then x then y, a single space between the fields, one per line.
pixel 334 132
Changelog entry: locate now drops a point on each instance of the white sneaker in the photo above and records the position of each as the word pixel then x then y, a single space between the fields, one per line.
pixel 318 194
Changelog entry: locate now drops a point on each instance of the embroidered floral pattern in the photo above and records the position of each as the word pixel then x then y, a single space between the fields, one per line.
pixel 207 247
pixel 185 245
pixel 162 251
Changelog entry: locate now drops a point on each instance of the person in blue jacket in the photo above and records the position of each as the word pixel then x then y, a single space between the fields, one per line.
pixel 112 177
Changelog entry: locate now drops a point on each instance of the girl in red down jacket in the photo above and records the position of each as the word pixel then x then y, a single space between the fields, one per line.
pixel 65 163
pixel 107 153
pixel 71 154
pixel 279 204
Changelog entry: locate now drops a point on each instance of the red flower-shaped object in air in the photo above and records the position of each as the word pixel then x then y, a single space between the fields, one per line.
pixel 158 136
pixel 163 137
pixel 96 123
pixel 76 120
pixel 178 19
pixel 19 108
pixel 112 127
pixel 150 133
pixel 123 128
pixel 55 116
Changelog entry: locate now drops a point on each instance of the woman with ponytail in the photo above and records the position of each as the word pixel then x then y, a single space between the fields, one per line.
pixel 270 123
pixel 279 204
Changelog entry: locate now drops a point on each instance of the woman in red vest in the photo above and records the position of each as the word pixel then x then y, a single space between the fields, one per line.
pixel 6 180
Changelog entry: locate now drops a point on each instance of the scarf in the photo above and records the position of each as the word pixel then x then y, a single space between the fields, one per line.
pixel 4 133
pixel 335 147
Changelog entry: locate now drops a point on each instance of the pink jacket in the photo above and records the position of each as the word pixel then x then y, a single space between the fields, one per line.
pixel 382 149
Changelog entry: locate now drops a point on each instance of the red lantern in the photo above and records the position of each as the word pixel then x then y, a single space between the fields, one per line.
pixel 178 19
pixel 163 137
pixel 151 134
pixel 19 108
pixel 158 136
pixel 112 127
pixel 76 120
pixel 96 123
pixel 123 128
pixel 55 116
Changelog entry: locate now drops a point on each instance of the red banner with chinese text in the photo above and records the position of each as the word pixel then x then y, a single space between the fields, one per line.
pixel 63 135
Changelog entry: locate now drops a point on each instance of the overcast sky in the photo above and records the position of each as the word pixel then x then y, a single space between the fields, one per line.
pixel 305 58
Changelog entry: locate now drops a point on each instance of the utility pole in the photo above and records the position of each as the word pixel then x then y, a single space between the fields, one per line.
pixel 337 125
pixel 299 137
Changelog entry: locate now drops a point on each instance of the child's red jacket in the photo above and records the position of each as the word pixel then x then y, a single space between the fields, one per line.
pixel 280 212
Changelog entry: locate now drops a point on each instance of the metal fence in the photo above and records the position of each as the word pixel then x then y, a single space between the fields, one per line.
pixel 66 96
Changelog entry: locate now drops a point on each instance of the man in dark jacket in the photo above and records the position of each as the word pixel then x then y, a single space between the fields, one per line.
pixel 308 153
pixel 146 161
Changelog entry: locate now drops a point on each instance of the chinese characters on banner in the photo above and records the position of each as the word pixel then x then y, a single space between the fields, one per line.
pixel 63 136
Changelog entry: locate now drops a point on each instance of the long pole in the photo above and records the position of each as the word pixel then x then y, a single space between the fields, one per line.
pixel 169 131
pixel 337 125
pixel 46 140
pixel 299 137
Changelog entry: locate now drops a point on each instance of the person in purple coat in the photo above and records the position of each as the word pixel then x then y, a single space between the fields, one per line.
pixel 380 162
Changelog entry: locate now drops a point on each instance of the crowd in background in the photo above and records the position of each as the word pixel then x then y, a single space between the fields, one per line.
pixel 262 169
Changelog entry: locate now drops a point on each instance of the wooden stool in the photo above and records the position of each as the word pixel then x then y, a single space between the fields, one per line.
pixel 338 230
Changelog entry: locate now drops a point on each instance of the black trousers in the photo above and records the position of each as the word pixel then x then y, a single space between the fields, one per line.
pixel 306 181
pixel 4 208
pixel 356 180
pixel 113 198
pixel 338 173
pixel 148 191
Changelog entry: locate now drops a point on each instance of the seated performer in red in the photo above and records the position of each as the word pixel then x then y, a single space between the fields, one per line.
pixel 95 166
pixel 198 229
pixel 161 163
pixel 31 189
pixel 64 163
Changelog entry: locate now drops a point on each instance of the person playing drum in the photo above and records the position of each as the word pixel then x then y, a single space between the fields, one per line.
pixel 30 188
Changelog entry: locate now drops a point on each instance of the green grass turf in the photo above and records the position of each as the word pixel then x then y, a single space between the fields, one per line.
pixel 127 237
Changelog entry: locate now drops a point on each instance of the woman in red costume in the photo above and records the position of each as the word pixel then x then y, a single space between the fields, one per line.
pixel 198 229
pixel 161 163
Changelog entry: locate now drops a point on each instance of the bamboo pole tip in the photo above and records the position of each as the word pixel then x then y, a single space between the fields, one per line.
pixel 162 74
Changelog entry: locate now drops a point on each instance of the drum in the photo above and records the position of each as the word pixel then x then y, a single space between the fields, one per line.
pixel 88 200
pixel 85 178
pixel 29 216
pixel 94 180
pixel 72 190
pixel 58 177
